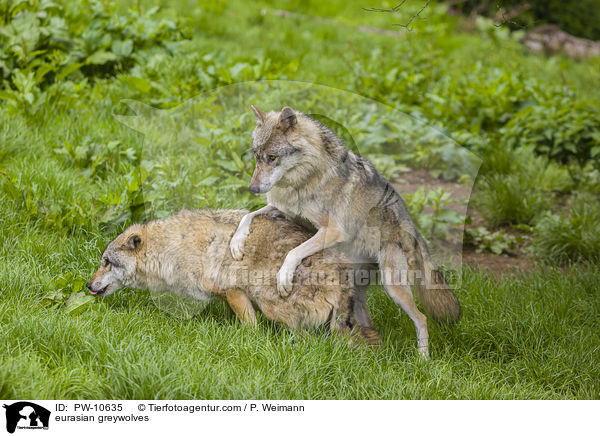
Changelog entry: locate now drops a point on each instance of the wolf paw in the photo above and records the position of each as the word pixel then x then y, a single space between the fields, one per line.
pixel 236 246
pixel 285 277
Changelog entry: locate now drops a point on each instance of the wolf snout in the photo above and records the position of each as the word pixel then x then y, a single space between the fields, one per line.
pixel 255 189
pixel 90 286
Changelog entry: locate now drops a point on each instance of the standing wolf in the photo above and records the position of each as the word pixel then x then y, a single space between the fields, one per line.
pixel 188 254
pixel 309 175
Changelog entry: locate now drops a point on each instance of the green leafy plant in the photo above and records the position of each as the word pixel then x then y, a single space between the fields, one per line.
pixel 34 40
pixel 199 72
pixel 42 42
pixel 60 215
pixel 497 242
pixel 109 42
pixel 129 204
pixel 561 129
pixel 25 96
pixel 447 161
pixel 68 292
pixel 98 158
pixel 429 210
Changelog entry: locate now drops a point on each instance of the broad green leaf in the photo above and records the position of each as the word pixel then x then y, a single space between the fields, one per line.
pixel 142 85
pixel 78 302
pixel 101 57
pixel 122 48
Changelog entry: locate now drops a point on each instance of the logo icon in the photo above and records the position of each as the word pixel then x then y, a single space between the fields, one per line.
pixel 26 415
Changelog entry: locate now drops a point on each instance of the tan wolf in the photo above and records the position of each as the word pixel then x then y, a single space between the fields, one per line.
pixel 187 254
pixel 309 175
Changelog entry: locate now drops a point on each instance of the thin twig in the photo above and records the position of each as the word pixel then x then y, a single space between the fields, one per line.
pixel 396 8
pixel 414 16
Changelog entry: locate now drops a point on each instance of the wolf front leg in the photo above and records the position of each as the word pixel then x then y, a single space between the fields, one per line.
pixel 324 238
pixel 242 306
pixel 236 246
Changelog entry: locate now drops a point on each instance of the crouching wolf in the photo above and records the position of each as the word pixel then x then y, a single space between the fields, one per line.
pixel 187 254
pixel 309 175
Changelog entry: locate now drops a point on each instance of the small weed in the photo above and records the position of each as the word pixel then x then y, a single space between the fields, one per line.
pixel 497 242
pixel 429 210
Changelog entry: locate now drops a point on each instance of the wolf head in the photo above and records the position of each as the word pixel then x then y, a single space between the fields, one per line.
pixel 285 146
pixel 118 266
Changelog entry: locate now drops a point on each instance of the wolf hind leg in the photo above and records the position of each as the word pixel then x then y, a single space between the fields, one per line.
pixel 360 284
pixel 361 311
pixel 242 306
pixel 358 334
pixel 349 326
pixel 365 335
pixel 363 329
pixel 392 262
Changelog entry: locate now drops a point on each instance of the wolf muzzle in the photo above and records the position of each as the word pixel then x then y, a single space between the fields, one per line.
pixel 95 291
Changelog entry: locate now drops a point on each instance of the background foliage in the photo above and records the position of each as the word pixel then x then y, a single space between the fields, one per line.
pixel 579 18
pixel 73 175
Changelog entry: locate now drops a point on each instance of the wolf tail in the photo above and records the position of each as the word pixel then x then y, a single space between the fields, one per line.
pixel 433 292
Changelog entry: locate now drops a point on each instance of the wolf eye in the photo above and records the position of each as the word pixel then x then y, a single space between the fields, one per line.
pixel 272 158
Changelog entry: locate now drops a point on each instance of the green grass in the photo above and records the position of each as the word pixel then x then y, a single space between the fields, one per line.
pixel 533 337
pixel 572 237
pixel 527 336
pixel 510 199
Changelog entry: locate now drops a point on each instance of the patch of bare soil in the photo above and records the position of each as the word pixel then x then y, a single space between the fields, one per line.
pixel 501 264
pixel 498 264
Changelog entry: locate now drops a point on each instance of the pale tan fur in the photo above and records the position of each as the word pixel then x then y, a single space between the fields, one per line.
pixel 187 254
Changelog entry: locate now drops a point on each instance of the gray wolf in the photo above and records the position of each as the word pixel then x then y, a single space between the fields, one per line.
pixel 188 254
pixel 310 176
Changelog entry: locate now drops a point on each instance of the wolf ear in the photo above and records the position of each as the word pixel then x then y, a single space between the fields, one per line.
pixel 134 242
pixel 287 118
pixel 260 115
